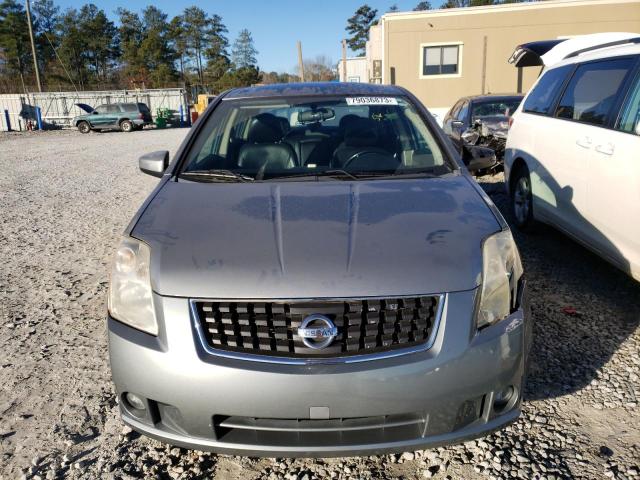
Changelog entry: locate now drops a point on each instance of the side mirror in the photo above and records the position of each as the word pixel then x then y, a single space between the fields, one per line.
pixel 95 112
pixel 154 163
pixel 478 158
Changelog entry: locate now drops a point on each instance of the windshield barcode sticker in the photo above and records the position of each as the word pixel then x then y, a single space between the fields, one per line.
pixel 371 101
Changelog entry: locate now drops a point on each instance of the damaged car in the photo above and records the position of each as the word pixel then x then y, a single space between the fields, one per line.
pixel 316 274
pixel 481 120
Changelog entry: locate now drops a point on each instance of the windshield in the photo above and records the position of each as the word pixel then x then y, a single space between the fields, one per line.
pixel 500 108
pixel 352 137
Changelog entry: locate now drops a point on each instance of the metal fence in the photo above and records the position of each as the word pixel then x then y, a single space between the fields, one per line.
pixel 58 108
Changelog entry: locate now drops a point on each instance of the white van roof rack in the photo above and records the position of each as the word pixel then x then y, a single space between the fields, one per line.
pixel 550 52
pixel 603 45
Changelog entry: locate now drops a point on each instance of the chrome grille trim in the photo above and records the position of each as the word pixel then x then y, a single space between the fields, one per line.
pixel 197 326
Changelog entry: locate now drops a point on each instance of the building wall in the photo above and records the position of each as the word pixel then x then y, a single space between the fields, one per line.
pixel 374 52
pixel 504 27
pixel 357 68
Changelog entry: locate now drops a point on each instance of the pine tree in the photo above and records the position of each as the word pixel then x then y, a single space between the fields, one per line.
pixel 218 62
pixel 358 27
pixel 14 38
pixel 46 16
pixel 425 5
pixel 195 25
pixel 244 52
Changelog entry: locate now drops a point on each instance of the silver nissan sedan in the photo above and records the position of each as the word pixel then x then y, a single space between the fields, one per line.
pixel 317 274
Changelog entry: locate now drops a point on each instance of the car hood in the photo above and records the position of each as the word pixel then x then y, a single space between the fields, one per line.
pixel 85 107
pixel 316 239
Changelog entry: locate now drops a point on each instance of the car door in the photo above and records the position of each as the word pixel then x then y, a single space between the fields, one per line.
pixel 459 124
pixel 613 198
pixel 112 115
pixel 450 117
pixel 98 116
pixel 564 143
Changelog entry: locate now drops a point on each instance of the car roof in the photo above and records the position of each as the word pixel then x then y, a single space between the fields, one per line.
pixel 617 51
pixel 592 47
pixel 494 97
pixel 313 89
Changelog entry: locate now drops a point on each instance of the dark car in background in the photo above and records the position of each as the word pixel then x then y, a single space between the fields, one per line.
pixel 481 120
pixel 125 117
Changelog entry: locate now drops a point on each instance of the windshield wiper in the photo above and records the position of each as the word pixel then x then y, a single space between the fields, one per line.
pixel 334 173
pixel 219 174
pixel 408 173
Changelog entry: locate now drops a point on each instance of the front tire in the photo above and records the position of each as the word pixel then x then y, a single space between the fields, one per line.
pixel 84 127
pixel 522 200
pixel 126 126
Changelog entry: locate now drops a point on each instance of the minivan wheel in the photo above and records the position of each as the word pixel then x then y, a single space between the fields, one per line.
pixel 84 127
pixel 522 200
pixel 126 126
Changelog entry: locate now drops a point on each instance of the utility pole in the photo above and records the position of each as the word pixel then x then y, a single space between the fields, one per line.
pixel 300 63
pixel 344 61
pixel 33 47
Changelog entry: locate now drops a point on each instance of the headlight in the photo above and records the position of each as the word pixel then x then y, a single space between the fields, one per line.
pixel 501 270
pixel 470 135
pixel 130 298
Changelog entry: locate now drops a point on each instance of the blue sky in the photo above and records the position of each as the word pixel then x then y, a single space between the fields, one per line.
pixel 276 25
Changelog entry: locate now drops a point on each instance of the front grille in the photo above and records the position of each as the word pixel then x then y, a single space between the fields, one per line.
pixel 317 433
pixel 363 326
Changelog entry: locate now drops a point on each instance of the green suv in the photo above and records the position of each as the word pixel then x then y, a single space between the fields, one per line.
pixel 122 116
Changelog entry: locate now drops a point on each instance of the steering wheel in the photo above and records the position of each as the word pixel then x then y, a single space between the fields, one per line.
pixel 355 156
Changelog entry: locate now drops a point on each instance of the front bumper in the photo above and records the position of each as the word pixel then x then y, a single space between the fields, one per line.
pixel 443 395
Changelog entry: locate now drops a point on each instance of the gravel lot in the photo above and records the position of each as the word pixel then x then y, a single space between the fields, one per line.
pixel 64 200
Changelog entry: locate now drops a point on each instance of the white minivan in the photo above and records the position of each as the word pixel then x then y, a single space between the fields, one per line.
pixel 572 157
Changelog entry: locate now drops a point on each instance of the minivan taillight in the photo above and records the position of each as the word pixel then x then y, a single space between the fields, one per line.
pixel 510 121
pixel 141 116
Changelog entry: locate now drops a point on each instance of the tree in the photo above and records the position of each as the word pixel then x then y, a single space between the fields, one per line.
pixel 239 77
pixel 14 39
pixel 319 69
pixel 179 43
pixel 358 28
pixel 422 6
pixel 393 8
pixel 195 25
pixel 157 55
pixel 101 41
pixel 468 3
pixel 131 36
pixel 244 52
pixel 216 52
pixel 46 17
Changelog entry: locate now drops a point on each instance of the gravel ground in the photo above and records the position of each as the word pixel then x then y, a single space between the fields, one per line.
pixel 64 200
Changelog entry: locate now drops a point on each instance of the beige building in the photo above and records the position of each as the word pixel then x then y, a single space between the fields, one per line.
pixel 442 55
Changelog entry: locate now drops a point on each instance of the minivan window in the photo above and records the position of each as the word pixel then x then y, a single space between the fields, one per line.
pixel 540 99
pixel 630 117
pixel 592 91
pixel 130 107
pixel 260 139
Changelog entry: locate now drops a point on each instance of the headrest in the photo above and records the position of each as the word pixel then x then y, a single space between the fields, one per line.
pixel 265 128
pixel 347 119
pixel 362 132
